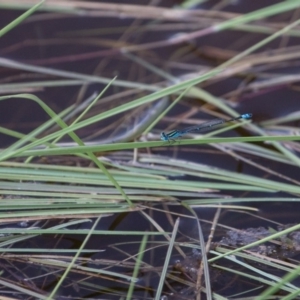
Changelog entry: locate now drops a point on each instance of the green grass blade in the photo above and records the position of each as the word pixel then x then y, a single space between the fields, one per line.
pixel 20 19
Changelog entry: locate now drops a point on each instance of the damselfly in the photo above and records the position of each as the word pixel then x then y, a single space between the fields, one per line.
pixel 174 134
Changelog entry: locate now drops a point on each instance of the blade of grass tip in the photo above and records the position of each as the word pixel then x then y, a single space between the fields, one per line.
pixel 55 118
pixel 5 154
pixel 54 291
pixel 204 261
pixel 167 109
pixel 31 136
pixel 151 118
pixel 88 108
pixel 147 117
pixel 65 115
pixel 92 155
pixel 159 229
pixel 20 19
pixel 18 135
pixel 80 107
pixel 137 267
pixel 167 260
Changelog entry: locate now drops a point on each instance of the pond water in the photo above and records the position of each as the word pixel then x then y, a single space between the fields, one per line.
pixel 241 192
